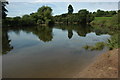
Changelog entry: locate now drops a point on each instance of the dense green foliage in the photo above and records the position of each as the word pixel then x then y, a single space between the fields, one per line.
pixel 70 9
pixel 42 16
pixel 83 16
pixel 101 13
pixel 111 26
pixel 113 42
pixel 109 22
pixel 4 10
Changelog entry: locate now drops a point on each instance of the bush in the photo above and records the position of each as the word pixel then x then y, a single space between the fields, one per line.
pixel 113 42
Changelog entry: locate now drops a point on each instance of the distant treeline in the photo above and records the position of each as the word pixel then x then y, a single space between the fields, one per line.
pixel 101 13
pixel 83 16
pixel 43 16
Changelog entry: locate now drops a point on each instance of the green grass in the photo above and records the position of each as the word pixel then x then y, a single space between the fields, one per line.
pixel 107 22
pixel 108 25
pixel 102 18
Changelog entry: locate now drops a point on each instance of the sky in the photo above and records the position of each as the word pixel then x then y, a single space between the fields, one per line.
pixel 63 0
pixel 22 8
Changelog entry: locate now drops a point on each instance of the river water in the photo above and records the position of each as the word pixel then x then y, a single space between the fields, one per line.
pixel 48 52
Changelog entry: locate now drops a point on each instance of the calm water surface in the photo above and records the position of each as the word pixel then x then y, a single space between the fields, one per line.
pixel 48 52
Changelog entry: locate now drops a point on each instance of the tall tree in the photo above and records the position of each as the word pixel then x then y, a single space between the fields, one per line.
pixel 70 9
pixel 45 15
pixel 4 10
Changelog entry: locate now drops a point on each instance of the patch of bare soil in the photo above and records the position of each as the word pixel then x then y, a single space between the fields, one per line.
pixel 105 66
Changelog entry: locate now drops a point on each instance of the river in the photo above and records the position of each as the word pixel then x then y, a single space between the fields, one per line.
pixel 48 52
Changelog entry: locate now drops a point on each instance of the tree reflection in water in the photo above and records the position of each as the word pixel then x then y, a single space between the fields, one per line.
pixel 44 33
pixel 6 46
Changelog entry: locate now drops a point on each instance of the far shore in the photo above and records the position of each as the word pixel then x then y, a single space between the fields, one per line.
pixel 105 66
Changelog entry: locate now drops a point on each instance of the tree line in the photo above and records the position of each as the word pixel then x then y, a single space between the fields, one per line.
pixel 102 13
pixel 43 16
pixel 82 16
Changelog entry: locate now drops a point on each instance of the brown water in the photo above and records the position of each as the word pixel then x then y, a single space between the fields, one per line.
pixel 48 52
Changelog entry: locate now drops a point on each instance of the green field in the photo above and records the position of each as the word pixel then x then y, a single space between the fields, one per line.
pixel 102 18
pixel 102 21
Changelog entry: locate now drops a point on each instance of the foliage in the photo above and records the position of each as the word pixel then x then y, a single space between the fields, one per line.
pixel 70 9
pixel 26 20
pixel 85 16
pixel 101 13
pixel 34 16
pixel 107 22
pixel 4 10
pixel 42 16
pixel 113 42
pixel 45 15
pixel 82 17
pixel 111 26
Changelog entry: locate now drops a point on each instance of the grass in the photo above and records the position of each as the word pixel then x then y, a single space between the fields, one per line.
pixel 106 22
pixel 110 25
pixel 100 21
pixel 102 18
pixel 113 42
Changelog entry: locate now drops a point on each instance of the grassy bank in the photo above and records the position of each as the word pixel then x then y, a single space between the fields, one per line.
pixel 106 22
pixel 102 18
pixel 107 25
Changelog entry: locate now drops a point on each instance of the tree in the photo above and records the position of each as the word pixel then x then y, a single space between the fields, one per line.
pixel 112 13
pixel 100 13
pixel 70 34
pixel 82 14
pixel 28 21
pixel 4 10
pixel 45 15
pixel 34 16
pixel 70 9
pixel 6 46
pixel 90 17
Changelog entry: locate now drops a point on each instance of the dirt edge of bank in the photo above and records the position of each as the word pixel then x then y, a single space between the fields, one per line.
pixel 105 66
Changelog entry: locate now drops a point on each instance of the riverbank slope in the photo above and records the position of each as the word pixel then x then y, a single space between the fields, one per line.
pixel 105 66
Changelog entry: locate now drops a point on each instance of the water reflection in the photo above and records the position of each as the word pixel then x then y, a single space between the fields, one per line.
pixel 81 30
pixel 44 33
pixel 6 47
pixel 48 52
pixel 70 34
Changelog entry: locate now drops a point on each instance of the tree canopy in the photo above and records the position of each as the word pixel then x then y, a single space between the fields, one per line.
pixel 4 10
pixel 44 15
pixel 70 9
pixel 101 13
